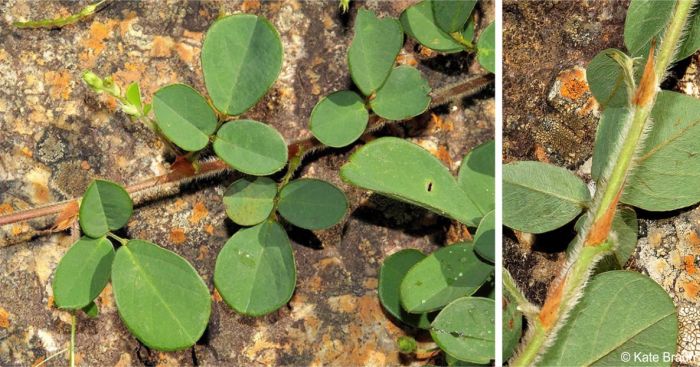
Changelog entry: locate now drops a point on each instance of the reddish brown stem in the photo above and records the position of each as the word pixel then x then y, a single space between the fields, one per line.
pixel 461 89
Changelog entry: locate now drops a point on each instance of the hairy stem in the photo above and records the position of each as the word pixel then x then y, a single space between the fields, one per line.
pixel 595 243
pixel 439 97
pixel 72 339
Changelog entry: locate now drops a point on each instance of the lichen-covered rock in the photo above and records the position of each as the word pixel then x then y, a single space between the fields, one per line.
pixel 57 135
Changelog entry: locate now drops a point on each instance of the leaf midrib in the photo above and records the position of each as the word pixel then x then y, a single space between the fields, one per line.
pixel 160 298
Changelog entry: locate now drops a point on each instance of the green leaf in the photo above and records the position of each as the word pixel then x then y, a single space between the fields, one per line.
pixel 255 271
pixel 133 95
pixel 418 22
pixel 105 207
pixel 454 362
pixel 485 237
pixel 645 20
pixel 512 326
pixel 486 48
pixel 250 201
pixel 691 42
pixel 601 327
pixel 451 16
pixel 606 80
pixel 404 95
pixel 184 116
pixel 373 50
pixel 312 204
pixel 393 270
pixel 91 310
pixel 251 147
pixel 464 329
pixel 476 176
pixel 407 172
pixel 445 275
pixel 339 119
pixel 540 197
pixel 670 159
pixel 625 228
pixel 82 273
pixel 606 138
pixel 468 31
pixel 160 297
pixel 241 59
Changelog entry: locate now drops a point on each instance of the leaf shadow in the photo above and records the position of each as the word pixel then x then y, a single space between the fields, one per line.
pixel 303 237
pixel 415 221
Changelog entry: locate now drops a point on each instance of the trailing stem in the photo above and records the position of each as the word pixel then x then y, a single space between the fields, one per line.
pixel 207 168
pixel 595 240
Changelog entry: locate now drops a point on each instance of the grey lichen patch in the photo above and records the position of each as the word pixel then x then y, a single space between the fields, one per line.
pixel 669 253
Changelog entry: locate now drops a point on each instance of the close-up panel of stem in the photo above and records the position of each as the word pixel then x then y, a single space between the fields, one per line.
pixel 540 197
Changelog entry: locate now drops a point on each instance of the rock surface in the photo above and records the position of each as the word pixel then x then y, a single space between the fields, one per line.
pixel 57 136
pixel 549 116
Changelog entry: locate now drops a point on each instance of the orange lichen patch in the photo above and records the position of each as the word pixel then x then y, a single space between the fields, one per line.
pixel 49 302
pixel 550 310
pixel 250 5
pixel 59 84
pixel 6 208
pixel 85 165
pixel 406 59
pixel 162 46
pixel 209 229
pixel 368 308
pixel 4 318
pixel 132 72
pixel 426 52
pixel 94 43
pixel 315 284
pixel 198 212
pixel 165 360
pixel 126 23
pixel 438 124
pixel 186 53
pixel 179 205
pixel 257 351
pixel 26 152
pixel 106 298
pixel 196 36
pixel 689 261
pixel 177 236
pixel 203 252
pixel 324 263
pixel 371 283
pixel 346 303
pixel 216 297
pixel 444 155
pixel 541 154
pixel 588 107
pixel 573 83
pixel 124 360
pixel 41 193
pixel 691 289
pixel 694 239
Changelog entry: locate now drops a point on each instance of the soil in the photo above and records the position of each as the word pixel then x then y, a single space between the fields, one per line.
pixel 56 136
